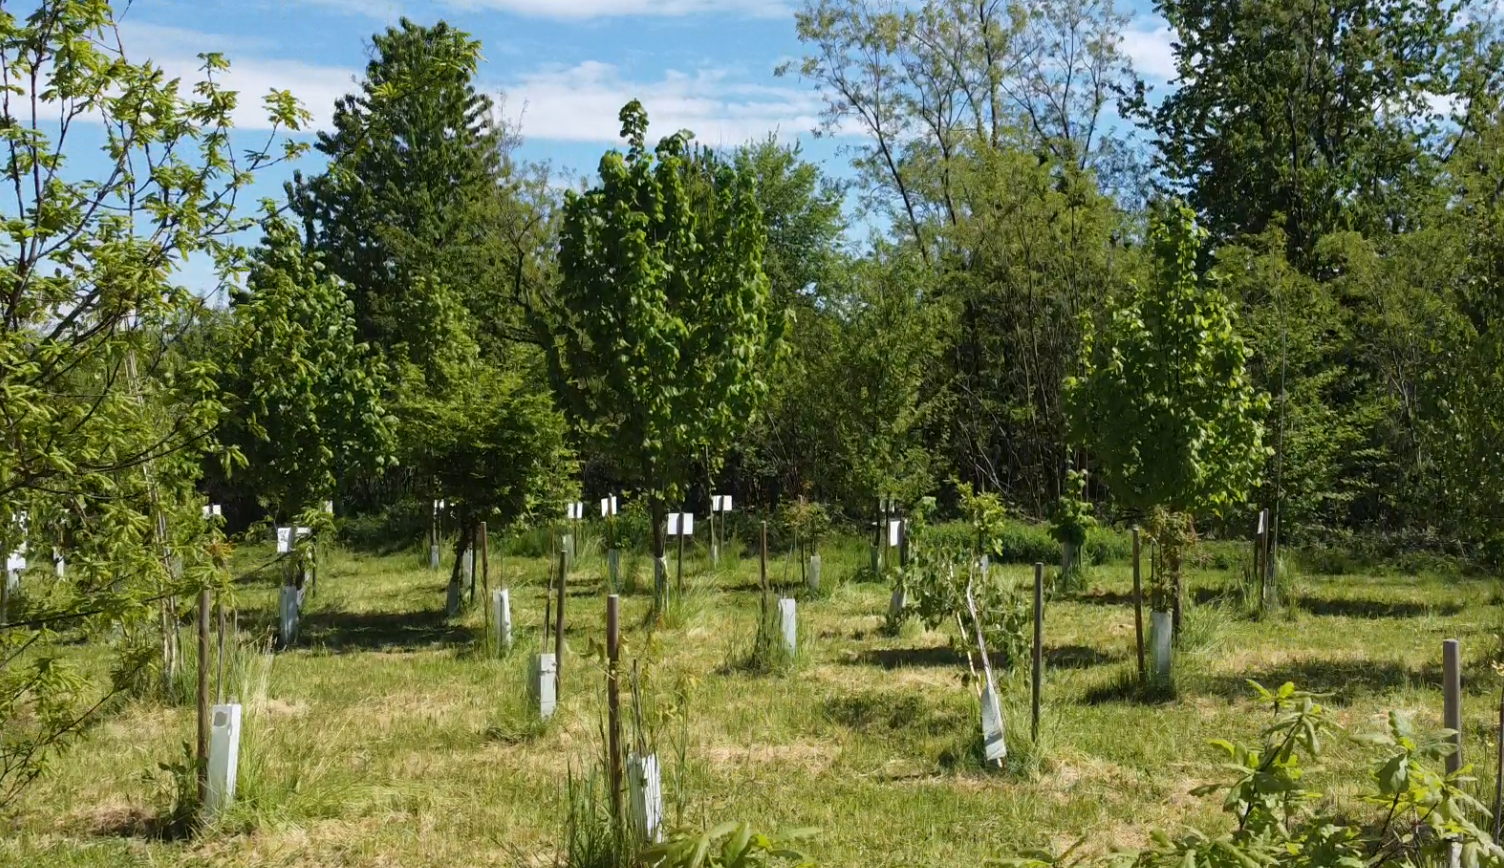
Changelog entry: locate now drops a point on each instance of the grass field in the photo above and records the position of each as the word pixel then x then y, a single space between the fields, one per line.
pixel 391 737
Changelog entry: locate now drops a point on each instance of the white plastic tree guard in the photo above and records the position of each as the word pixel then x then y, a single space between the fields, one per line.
pixel 15 565
pixel 788 624
pixel 814 574
pixel 897 603
pixel 224 757
pixel 645 787
pixel 994 740
pixel 660 575
pixel 1161 633
pixel 986 565
pixel 288 607
pixel 501 618
pixel 467 567
pixel 433 557
pixel 544 684
pixel 613 566
pixel 454 596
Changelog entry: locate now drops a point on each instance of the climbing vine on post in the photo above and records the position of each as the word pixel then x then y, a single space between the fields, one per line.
pixel 661 330
pixel 1164 402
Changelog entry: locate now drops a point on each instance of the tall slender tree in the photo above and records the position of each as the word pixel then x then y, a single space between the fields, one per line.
pixel 661 331
pixel 1164 403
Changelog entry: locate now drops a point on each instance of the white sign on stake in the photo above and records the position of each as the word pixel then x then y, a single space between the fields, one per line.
pixel 895 530
pixel 304 531
pixel 329 507
pixel 720 503
pixel 681 524
pixel 608 506
pixel 284 540
pixel 574 511
pixel 211 509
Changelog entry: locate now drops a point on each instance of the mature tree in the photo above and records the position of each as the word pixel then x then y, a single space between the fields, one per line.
pixel 936 83
pixel 304 396
pixel 872 387
pixel 986 144
pixel 1309 117
pixel 661 330
pixel 114 174
pixel 1164 403
pixel 805 264
pixel 408 213
pixel 1317 428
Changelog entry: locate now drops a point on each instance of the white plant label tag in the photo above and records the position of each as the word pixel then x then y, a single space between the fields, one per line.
pixel 895 529
pixel 284 540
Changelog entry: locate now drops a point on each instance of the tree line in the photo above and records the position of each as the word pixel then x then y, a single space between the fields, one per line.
pixel 1339 156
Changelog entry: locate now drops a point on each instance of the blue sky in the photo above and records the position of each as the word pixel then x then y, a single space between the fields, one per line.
pixel 561 69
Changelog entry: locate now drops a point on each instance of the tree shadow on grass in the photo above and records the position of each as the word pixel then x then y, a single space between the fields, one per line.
pixel 379 631
pixel 902 658
pixel 1342 681
pixel 140 823
pixel 1371 609
pixel 1102 598
pixel 1078 657
pixel 1126 688
pixel 879 711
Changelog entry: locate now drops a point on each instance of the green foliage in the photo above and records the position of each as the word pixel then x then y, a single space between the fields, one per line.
pixel 805 521
pixel 126 173
pixel 986 514
pixel 495 448
pixel 942 572
pixel 1073 517
pixel 1418 813
pixel 409 212
pixel 1288 115
pixel 1164 403
pixel 304 397
pixel 729 845
pixel 661 332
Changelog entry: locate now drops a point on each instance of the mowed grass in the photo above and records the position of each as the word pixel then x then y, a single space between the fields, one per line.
pixel 392 737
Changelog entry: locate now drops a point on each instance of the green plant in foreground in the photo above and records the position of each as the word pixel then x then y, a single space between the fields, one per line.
pixel 1071 520
pixel 729 845
pixel 1418 814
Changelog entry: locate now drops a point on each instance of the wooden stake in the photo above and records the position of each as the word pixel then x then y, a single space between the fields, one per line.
pixel 763 558
pixel 1038 649
pixel 613 699
pixel 1138 611
pixel 1451 685
pixel 559 631
pixel 1499 774
pixel 484 548
pixel 203 696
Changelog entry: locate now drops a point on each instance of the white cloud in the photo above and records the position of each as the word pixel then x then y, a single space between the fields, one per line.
pixel 582 9
pixel 381 10
pixel 580 104
pixel 175 50
pixel 1147 42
